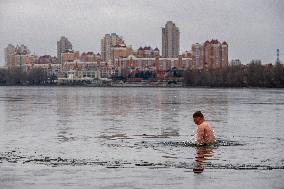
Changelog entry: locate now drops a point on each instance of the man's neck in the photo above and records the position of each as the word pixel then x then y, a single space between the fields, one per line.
pixel 202 121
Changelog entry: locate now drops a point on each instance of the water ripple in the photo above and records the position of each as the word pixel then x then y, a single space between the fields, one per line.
pixel 13 157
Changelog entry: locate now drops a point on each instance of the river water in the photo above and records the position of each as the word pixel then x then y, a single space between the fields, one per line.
pixel 80 137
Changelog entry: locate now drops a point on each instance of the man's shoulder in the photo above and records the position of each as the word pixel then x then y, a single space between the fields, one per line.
pixel 205 124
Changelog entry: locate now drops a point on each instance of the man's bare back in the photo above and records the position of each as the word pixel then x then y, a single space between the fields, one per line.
pixel 205 134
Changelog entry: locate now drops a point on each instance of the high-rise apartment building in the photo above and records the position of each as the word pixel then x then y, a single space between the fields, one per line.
pixel 17 56
pixel 215 54
pixel 107 43
pixel 224 54
pixel 63 45
pixel 106 47
pixel 170 40
pixel 197 56
pixel 9 53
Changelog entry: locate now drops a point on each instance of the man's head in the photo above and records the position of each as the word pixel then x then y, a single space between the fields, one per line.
pixel 198 117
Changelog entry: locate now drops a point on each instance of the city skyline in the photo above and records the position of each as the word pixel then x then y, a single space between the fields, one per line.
pixel 254 33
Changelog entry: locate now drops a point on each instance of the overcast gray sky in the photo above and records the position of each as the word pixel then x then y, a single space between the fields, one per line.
pixel 252 28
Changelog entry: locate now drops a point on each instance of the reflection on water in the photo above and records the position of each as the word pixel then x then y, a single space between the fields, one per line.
pixel 203 153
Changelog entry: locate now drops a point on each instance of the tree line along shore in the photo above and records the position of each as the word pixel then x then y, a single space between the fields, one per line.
pixel 251 75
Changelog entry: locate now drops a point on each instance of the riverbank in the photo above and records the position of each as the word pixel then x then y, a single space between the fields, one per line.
pixel 141 86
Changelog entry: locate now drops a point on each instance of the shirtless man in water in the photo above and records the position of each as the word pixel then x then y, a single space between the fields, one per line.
pixel 205 134
pixel 204 140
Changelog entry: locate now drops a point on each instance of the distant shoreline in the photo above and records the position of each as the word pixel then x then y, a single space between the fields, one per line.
pixel 172 87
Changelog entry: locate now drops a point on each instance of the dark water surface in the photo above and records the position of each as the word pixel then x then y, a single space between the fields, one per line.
pixel 139 138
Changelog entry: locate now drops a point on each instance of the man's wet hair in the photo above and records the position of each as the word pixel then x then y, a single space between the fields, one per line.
pixel 198 114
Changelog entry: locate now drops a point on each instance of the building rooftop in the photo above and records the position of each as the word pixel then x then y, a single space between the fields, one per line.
pixel 224 43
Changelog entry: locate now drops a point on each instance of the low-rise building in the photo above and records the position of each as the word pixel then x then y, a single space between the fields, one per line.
pixel 69 56
pixel 121 51
pixel 236 62
pixel 47 59
pixel 147 52
pixel 102 69
pixel 158 65
pixel 88 57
